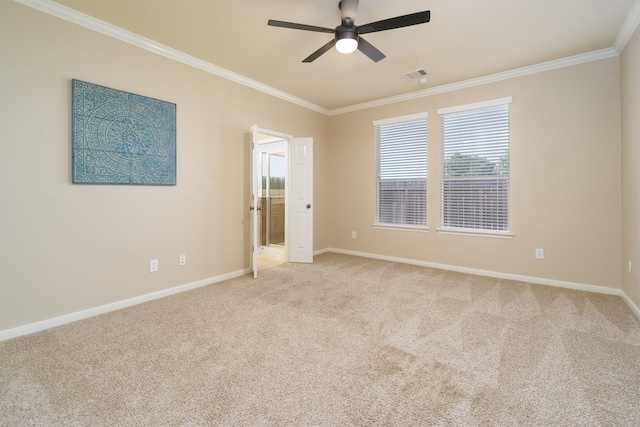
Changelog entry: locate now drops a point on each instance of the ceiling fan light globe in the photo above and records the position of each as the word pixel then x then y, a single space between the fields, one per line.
pixel 346 45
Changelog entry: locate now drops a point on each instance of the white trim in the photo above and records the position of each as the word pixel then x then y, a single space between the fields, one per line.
pixel 85 314
pixel 634 308
pixel 476 233
pixel 272 133
pixel 118 33
pixel 91 312
pixel 400 227
pixel 475 105
pixel 270 140
pixel 628 28
pixel 487 273
pixel 479 81
pixel 400 119
pixel 94 24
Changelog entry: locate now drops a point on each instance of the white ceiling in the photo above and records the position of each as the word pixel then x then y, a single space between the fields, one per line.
pixel 465 39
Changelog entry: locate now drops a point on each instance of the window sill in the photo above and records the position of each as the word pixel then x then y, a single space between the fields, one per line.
pixel 417 228
pixel 477 233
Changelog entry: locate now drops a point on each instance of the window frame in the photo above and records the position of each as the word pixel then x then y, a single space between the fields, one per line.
pixel 505 234
pixel 423 116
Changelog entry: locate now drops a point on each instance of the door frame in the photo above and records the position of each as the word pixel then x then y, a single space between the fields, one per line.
pixel 298 198
pixel 254 246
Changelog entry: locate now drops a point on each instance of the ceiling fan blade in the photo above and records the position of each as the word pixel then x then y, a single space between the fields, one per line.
pixel 293 25
pixel 370 50
pixel 349 9
pixel 397 22
pixel 315 55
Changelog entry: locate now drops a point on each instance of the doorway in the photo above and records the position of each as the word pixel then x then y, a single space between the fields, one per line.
pixel 281 175
pixel 272 199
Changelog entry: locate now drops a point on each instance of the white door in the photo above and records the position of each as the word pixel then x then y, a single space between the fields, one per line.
pixel 300 200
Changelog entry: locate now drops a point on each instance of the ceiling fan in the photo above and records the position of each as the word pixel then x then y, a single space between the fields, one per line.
pixel 347 35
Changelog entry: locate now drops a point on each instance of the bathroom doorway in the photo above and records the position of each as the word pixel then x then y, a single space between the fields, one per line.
pixel 272 197
pixel 281 199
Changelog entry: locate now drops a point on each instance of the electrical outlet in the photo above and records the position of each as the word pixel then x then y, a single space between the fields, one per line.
pixel 183 259
pixel 153 266
pixel 539 253
pixel 630 267
pixel 353 234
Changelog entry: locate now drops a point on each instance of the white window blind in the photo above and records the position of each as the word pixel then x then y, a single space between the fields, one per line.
pixel 401 186
pixel 475 168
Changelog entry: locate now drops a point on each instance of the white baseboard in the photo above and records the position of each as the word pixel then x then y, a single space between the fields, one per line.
pixel 84 314
pixel 91 312
pixel 631 305
pixel 528 279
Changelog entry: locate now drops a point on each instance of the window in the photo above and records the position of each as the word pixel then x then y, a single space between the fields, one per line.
pixel 475 167
pixel 401 163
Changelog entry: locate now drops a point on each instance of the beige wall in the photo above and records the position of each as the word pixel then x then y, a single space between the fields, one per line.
pixel 565 179
pixel 66 248
pixel 630 94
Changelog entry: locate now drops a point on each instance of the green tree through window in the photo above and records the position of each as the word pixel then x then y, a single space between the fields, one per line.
pixel 475 168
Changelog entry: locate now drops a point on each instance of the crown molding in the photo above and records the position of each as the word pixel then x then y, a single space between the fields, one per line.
pixel 628 28
pixel 71 15
pixel 492 78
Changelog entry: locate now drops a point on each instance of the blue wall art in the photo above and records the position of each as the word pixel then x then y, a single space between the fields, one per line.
pixel 122 138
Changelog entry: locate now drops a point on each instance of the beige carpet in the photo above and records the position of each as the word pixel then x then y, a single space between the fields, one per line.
pixel 344 341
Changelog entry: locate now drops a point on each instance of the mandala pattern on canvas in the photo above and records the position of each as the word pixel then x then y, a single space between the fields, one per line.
pixel 122 138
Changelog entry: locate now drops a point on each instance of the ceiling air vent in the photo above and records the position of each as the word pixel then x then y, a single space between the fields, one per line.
pixel 412 75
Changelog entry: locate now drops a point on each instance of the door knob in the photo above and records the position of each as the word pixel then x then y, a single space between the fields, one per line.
pixel 309 206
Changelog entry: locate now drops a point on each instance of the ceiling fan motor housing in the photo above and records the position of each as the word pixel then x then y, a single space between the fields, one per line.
pixel 346 33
